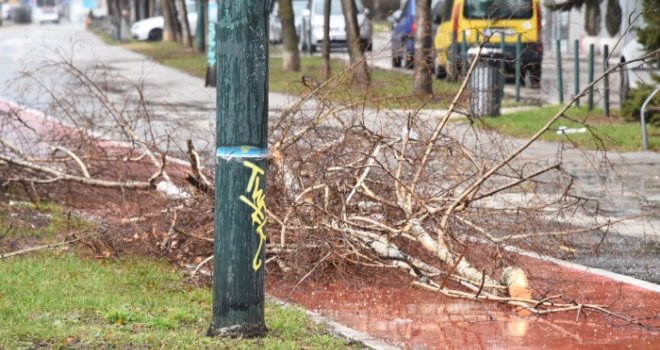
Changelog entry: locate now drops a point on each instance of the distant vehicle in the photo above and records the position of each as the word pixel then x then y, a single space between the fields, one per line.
pixel 491 18
pixel 152 28
pixel 46 11
pixel 404 26
pixel 312 26
pixel 275 26
pixel 8 9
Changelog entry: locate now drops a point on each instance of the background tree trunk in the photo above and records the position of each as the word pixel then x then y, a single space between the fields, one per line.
pixel 186 37
pixel 326 38
pixel 290 54
pixel 423 80
pixel 360 69
pixel 169 25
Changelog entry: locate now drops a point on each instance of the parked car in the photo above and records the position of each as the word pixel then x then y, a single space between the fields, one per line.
pixel 312 26
pixel 404 26
pixel 152 28
pixel 46 11
pixel 490 18
pixel 275 26
pixel 7 9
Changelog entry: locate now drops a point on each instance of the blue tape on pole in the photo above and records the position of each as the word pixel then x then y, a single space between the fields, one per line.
pixel 241 152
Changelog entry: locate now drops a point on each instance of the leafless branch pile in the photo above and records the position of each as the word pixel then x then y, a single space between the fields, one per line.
pixel 427 194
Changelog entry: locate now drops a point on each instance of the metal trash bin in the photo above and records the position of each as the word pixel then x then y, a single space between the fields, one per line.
pixel 486 83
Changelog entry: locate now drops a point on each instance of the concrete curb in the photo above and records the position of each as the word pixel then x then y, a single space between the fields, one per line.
pixel 592 270
pixel 339 329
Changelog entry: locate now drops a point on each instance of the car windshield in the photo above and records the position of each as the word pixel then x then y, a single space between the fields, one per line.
pixel 335 7
pixel 498 9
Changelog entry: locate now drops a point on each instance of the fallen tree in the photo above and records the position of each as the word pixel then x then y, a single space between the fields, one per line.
pixel 348 186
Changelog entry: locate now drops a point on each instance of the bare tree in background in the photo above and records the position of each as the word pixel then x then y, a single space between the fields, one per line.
pixel 169 21
pixel 327 7
pixel 290 53
pixel 423 82
pixel 186 37
pixel 360 70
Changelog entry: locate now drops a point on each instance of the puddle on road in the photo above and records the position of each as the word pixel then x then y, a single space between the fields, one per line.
pixel 415 319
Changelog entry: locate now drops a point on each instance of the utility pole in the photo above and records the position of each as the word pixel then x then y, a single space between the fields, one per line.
pixel 240 177
pixel 200 34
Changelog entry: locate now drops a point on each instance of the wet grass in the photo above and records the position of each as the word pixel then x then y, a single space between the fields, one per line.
pixel 63 299
pixel 612 133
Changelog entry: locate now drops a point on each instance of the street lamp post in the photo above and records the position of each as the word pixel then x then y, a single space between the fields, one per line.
pixel 241 152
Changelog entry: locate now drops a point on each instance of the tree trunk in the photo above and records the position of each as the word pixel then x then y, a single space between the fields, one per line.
pixel 423 81
pixel 360 71
pixel 169 25
pixel 592 18
pixel 290 54
pixel 326 38
pixel 186 37
pixel 151 11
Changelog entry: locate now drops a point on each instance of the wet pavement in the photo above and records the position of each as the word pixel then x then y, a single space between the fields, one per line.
pixel 416 319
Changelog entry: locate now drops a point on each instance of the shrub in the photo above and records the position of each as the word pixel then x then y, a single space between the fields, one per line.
pixel 633 105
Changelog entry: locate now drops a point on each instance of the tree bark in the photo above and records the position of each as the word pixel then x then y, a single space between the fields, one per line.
pixel 360 70
pixel 169 25
pixel 186 37
pixel 290 54
pixel 327 6
pixel 423 80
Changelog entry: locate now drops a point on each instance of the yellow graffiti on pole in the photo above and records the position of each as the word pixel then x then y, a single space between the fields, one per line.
pixel 258 204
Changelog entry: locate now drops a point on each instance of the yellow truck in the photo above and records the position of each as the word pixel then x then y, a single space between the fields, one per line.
pixel 476 21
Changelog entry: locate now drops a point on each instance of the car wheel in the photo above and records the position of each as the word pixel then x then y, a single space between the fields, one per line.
pixel 396 61
pixel 440 71
pixel 155 34
pixel 532 76
pixel 624 84
pixel 410 61
pixel 365 45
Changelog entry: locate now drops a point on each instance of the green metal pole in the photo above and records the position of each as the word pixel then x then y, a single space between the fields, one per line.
pixel 576 71
pixel 560 73
pixel 464 60
pixel 591 77
pixel 518 66
pixel 200 33
pixel 502 64
pixel 606 81
pixel 240 178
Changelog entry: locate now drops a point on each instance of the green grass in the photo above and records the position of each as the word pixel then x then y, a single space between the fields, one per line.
pixel 60 299
pixel 65 301
pixel 173 55
pixel 612 132
pixel 389 89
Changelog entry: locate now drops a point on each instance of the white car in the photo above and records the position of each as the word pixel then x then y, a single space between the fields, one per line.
pixel 312 26
pixel 46 11
pixel 152 27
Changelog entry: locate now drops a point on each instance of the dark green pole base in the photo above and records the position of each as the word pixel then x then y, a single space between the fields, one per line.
pixel 244 330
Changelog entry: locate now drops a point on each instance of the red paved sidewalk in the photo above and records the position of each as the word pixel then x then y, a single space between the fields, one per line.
pixel 417 319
